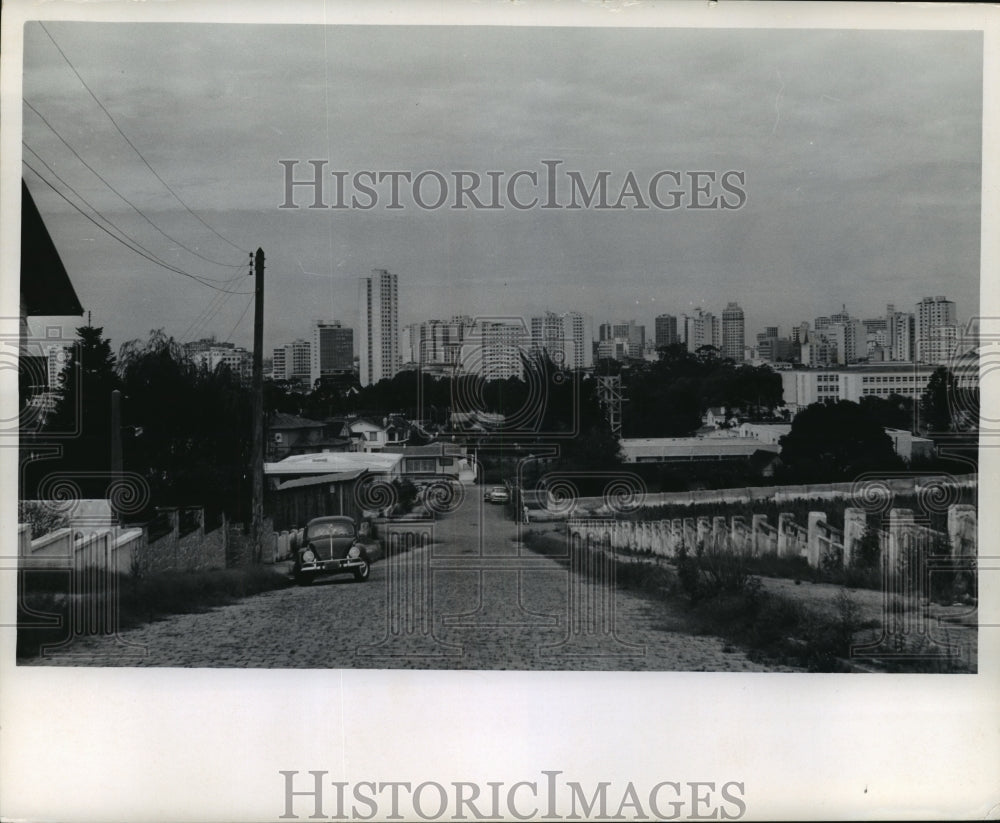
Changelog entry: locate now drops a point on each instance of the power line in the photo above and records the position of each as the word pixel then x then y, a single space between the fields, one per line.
pixel 129 242
pixel 200 323
pixel 123 197
pixel 131 144
pixel 134 243
pixel 249 304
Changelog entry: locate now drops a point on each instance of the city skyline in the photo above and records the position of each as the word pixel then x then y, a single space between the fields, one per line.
pixel 850 186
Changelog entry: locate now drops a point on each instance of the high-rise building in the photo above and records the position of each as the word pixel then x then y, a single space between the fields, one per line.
pixel 435 343
pixel 378 329
pixel 622 340
pixel 331 351
pixel 849 338
pixel 701 329
pixel 494 349
pixel 665 330
pixel 292 361
pixel 567 338
pixel 733 333
pixel 279 370
pixel 902 336
pixel 238 360
pixel 937 329
pixel 800 333
pixel 818 350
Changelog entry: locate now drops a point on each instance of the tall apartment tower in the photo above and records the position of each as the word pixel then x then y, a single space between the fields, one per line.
pixel 665 330
pixel 378 327
pixel 331 351
pixel 937 329
pixel 567 338
pixel 733 334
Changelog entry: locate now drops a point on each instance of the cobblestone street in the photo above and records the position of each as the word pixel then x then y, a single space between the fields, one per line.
pixel 489 604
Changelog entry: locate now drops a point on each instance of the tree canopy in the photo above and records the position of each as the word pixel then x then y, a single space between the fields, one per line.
pixel 836 441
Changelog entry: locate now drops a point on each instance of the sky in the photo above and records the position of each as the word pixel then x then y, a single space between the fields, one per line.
pixel 860 150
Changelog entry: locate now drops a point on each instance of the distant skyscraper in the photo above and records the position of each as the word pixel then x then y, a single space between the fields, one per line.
pixel 701 329
pixel 937 329
pixel 279 370
pixel 378 329
pixel 733 333
pixel 238 360
pixel 665 330
pixel 292 361
pixel 622 340
pixel 330 352
pixel 567 338
pixel 902 336
pixel 494 349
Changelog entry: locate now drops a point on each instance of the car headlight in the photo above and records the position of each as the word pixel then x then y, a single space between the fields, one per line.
pixel 308 556
pixel 354 553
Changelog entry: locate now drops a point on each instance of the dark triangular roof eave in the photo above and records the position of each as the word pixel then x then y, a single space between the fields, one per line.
pixel 45 286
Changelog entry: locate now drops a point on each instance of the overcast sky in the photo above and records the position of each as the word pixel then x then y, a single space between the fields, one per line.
pixel 861 152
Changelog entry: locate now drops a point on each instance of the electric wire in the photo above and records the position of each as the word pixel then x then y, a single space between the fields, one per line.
pixel 132 145
pixel 233 330
pixel 129 243
pixel 135 208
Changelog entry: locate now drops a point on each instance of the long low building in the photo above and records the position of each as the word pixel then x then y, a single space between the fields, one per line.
pixel 693 449
pixel 803 387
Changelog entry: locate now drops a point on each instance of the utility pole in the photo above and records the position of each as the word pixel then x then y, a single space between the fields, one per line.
pixel 257 444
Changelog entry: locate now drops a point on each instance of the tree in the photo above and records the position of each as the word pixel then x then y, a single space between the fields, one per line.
pixel 935 403
pixel 84 406
pixel 892 412
pixel 836 441
pixel 189 428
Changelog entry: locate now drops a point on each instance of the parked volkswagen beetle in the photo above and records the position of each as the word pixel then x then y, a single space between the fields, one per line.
pixel 331 545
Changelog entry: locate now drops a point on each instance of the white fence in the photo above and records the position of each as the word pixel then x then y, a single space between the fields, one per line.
pixel 817 540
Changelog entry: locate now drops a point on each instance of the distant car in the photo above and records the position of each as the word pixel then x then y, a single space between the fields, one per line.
pixel 498 494
pixel 332 545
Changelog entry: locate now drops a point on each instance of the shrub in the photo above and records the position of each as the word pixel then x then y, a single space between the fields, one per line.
pixel 40 517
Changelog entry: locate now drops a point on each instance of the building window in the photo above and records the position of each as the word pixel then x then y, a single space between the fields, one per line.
pixel 420 465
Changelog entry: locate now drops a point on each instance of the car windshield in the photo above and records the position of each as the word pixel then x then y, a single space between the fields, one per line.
pixel 331 530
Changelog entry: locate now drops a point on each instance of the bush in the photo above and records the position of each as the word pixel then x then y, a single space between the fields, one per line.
pixel 40 517
pixel 867 550
pixel 717 569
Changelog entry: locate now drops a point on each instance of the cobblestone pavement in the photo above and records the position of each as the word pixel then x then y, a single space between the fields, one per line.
pixel 470 597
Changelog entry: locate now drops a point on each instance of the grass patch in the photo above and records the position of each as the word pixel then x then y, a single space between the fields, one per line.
pixel 131 602
pixel 731 603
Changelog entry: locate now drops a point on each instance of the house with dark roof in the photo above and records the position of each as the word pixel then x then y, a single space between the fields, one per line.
pixel 289 434
pixel 46 289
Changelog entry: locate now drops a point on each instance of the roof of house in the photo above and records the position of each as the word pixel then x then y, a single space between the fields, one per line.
pixel 317 480
pixel 320 442
pixel 679 447
pixel 283 420
pixel 45 286
pixel 327 462
pixel 364 421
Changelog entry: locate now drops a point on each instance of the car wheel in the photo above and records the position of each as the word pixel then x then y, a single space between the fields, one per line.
pixel 303 579
pixel 363 572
